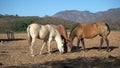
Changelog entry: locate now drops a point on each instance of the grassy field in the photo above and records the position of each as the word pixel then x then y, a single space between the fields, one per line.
pixel 16 54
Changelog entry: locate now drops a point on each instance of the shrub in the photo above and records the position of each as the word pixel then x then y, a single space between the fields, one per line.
pixel 19 26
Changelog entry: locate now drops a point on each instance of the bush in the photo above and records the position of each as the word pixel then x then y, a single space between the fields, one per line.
pixel 19 26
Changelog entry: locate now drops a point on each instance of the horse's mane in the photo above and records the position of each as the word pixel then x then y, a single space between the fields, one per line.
pixel 73 29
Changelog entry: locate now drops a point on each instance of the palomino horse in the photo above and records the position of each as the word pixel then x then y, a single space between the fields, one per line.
pixel 90 31
pixel 46 33
pixel 63 32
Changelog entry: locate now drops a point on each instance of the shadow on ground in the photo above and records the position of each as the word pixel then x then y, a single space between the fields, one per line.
pixel 75 48
pixel 110 48
pixel 17 39
pixel 79 62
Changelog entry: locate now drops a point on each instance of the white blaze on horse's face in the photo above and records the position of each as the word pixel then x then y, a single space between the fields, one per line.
pixel 61 48
pixel 60 44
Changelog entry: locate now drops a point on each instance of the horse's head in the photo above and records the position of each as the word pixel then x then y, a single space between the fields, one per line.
pixel 69 44
pixel 61 47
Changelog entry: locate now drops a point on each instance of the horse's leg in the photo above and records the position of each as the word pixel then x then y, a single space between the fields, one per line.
pixel 49 47
pixel 101 43
pixel 31 46
pixel 44 43
pixel 107 42
pixel 78 42
pixel 65 45
pixel 82 40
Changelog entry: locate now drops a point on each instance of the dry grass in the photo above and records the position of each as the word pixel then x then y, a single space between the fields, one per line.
pixel 16 54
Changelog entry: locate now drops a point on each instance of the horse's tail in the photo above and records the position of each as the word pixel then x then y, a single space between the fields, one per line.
pixel 29 38
pixel 108 28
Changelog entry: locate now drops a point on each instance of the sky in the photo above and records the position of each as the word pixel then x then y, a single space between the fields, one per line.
pixel 50 7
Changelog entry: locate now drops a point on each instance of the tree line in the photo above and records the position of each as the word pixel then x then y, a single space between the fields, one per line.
pixel 19 24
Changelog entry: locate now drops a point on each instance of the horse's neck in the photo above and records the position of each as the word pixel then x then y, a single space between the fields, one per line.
pixel 65 33
pixel 71 36
pixel 62 31
pixel 58 38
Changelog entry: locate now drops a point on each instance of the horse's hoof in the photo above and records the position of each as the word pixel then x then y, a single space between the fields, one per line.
pixel 98 49
pixel 85 50
pixel 108 50
pixel 70 50
pixel 40 53
pixel 63 52
pixel 33 55
pixel 50 53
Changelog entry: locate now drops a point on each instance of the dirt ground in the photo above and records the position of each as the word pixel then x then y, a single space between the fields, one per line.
pixel 16 54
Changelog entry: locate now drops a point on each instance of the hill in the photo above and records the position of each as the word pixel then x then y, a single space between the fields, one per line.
pixel 111 16
pixel 68 18
pixel 18 24
pixel 86 16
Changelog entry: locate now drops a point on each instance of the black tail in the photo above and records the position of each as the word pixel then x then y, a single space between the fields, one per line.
pixel 108 28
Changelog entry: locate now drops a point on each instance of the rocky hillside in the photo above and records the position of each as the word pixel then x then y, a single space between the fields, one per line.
pixel 86 16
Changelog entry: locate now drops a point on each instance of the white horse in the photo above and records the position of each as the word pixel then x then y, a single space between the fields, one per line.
pixel 47 33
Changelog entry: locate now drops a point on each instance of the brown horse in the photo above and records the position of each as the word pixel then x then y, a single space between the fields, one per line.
pixel 89 31
pixel 63 32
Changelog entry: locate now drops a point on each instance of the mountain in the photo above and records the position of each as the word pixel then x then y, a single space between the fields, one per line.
pixel 87 16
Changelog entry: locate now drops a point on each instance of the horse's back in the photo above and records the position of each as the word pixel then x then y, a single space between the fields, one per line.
pixel 89 30
pixel 52 30
pixel 103 28
pixel 33 29
pixel 43 32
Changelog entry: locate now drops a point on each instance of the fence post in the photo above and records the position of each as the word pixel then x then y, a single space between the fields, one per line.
pixel 10 35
